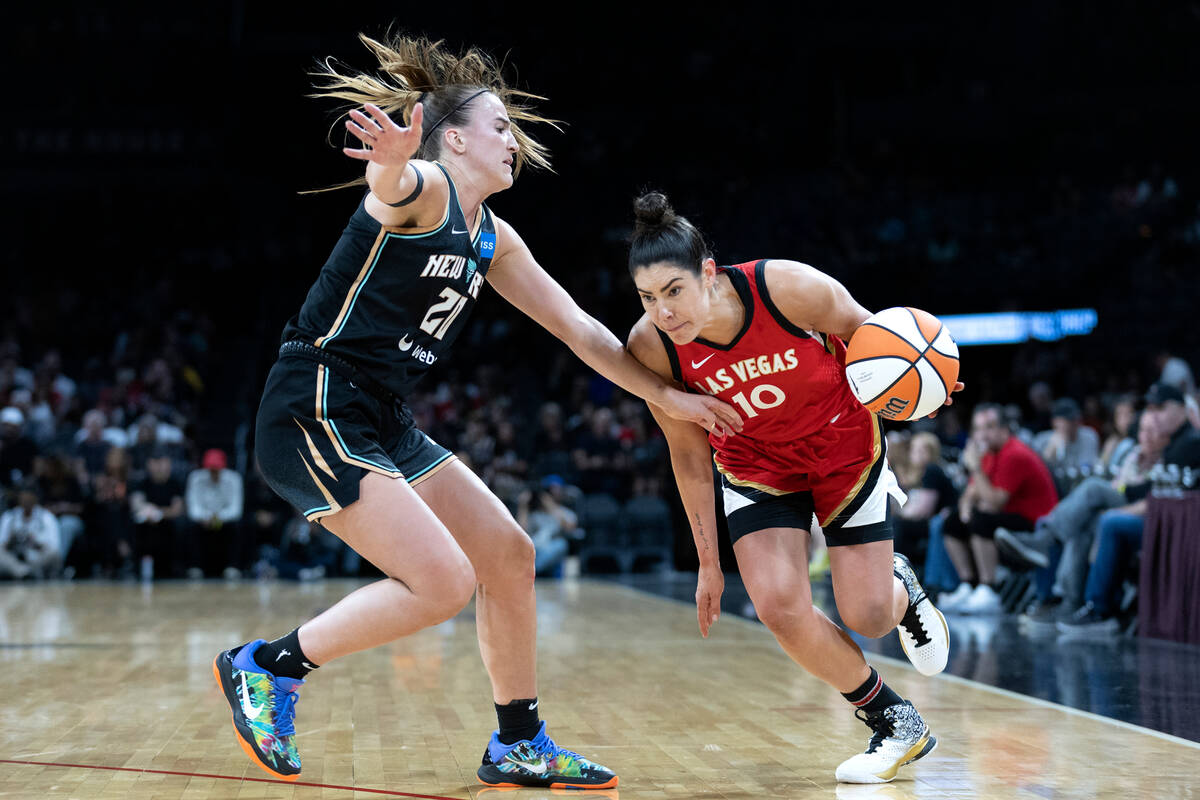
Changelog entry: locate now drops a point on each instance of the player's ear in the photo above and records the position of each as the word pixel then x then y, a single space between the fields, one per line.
pixel 708 272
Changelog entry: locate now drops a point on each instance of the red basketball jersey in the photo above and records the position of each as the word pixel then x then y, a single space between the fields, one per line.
pixel 801 422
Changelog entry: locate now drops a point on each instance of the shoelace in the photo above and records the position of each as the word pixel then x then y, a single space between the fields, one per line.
pixel 912 622
pixel 548 750
pixel 285 711
pixel 877 722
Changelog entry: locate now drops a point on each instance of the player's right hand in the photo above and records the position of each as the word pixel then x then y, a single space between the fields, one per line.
pixel 387 144
pixel 710 584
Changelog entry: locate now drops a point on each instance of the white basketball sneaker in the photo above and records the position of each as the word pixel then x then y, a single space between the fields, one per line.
pixel 900 737
pixel 923 632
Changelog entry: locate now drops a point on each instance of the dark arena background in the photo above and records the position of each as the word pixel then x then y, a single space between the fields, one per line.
pixel 1026 171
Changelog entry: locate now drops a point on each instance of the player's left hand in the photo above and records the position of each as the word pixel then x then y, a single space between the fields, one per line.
pixel 714 415
pixel 958 387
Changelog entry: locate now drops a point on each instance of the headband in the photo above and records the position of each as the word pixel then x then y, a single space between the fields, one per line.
pixel 448 113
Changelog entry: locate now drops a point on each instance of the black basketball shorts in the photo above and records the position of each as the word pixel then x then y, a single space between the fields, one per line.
pixel 318 434
pixel 864 515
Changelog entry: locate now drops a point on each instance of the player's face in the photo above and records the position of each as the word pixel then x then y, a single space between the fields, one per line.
pixel 675 298
pixel 489 144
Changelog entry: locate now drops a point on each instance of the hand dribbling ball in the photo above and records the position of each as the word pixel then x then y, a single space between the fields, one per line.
pixel 902 363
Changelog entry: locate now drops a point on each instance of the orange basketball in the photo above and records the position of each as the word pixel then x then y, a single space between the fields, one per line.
pixel 902 363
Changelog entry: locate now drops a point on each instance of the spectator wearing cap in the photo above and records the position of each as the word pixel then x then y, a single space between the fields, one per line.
pixel 29 544
pixel 1119 538
pixel 1068 445
pixel 156 504
pixel 1074 523
pixel 17 450
pixel 214 499
pixel 1167 405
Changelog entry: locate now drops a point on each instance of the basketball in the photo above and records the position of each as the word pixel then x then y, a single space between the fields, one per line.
pixel 902 363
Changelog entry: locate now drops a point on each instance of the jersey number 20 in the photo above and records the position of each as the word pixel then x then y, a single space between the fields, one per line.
pixel 441 316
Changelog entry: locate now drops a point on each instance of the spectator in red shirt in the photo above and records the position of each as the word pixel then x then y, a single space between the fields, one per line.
pixel 1009 486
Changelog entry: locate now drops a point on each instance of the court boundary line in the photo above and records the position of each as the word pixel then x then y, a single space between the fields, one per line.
pixel 940 676
pixel 229 778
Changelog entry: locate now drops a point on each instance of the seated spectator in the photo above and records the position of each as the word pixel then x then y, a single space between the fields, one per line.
pixel 308 552
pixel 1121 438
pixel 1119 539
pixel 17 450
pixel 91 446
pixel 214 499
pixel 1009 487
pixel 1073 523
pixel 40 424
pixel 107 528
pixel 1068 446
pixel 156 503
pixel 63 497
pixel 931 493
pixel 29 542
pixel 549 521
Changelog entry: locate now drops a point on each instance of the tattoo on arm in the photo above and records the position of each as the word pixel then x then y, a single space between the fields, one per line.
pixel 414 193
pixel 700 530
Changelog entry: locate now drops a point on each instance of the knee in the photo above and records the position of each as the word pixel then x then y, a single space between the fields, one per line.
pixel 510 557
pixel 783 613
pixel 871 618
pixel 452 587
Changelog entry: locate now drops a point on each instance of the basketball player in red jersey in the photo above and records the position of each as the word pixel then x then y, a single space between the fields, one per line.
pixel 767 337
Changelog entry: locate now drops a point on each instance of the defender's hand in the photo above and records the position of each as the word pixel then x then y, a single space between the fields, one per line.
pixel 387 144
pixel 714 415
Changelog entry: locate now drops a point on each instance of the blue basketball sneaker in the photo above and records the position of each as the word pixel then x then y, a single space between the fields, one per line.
pixel 540 762
pixel 264 710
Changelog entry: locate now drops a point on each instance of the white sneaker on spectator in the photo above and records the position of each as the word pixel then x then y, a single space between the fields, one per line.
pixel 951 601
pixel 983 600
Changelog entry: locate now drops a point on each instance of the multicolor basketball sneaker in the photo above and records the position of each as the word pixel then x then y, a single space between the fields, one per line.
pixel 540 762
pixel 264 710
pixel 898 737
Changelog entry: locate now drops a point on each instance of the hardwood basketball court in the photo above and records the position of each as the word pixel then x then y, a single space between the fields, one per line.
pixel 108 693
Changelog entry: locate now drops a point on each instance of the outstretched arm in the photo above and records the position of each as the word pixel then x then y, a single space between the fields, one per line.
pixel 521 281
pixel 414 191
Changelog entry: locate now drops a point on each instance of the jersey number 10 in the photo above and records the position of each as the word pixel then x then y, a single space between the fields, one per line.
pixel 441 316
pixel 762 397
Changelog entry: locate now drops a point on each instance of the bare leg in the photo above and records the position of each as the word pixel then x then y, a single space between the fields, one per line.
pixel 430 578
pixel 503 557
pixel 774 567
pixel 870 598
pixel 960 556
pixel 986 557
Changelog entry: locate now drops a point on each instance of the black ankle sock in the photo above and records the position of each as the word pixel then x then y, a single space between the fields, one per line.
pixel 518 720
pixel 874 695
pixel 283 657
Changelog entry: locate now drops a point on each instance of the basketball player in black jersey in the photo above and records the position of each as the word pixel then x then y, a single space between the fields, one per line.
pixel 335 439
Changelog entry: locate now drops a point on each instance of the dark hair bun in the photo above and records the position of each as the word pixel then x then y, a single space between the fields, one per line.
pixel 652 212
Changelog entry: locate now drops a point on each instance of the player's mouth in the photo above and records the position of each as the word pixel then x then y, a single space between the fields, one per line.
pixel 676 328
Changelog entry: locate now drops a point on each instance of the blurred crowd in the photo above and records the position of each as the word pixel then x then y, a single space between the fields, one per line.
pixel 1039 509
pixel 124 442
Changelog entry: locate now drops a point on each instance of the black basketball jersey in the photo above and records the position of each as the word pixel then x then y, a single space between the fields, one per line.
pixel 394 302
